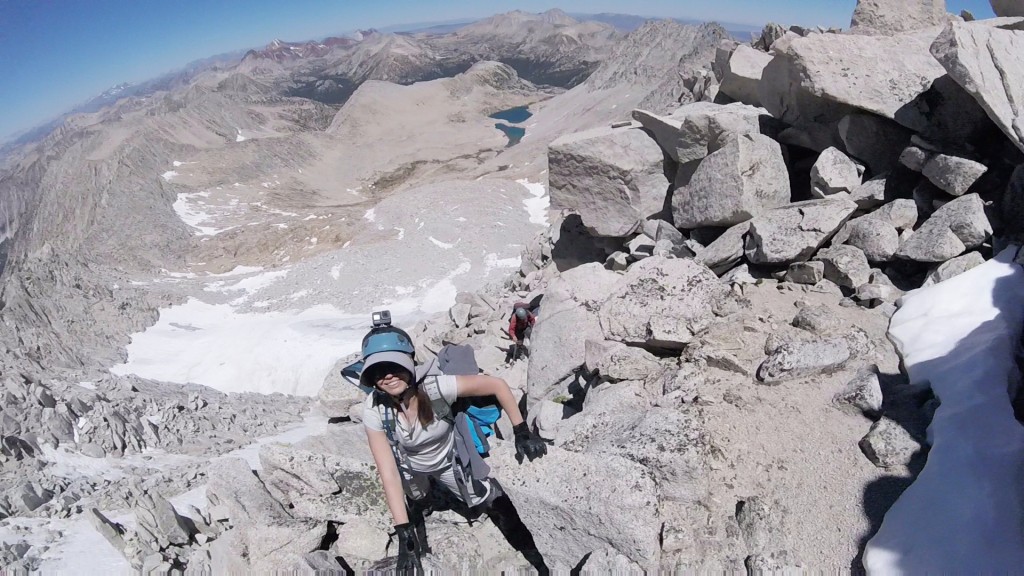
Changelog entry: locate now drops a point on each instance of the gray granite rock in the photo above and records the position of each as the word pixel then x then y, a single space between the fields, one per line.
pixel 955 227
pixel 742 74
pixel 726 251
pixel 742 179
pixel 695 130
pixel 886 17
pixel 888 444
pixel 661 303
pixel 985 60
pixel 798 358
pixel 861 395
pixel 954 267
pixel 832 173
pixel 605 175
pixel 901 213
pixel 952 174
pixel 805 272
pixel 845 265
pixel 876 237
pixel 794 233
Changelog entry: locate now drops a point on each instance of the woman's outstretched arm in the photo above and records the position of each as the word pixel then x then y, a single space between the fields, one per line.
pixel 390 479
pixel 483 385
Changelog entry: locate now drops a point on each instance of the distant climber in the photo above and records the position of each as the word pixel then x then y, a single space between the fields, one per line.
pixel 417 431
pixel 520 326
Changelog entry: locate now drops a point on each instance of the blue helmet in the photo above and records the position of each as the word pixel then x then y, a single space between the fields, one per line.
pixel 387 344
pixel 387 339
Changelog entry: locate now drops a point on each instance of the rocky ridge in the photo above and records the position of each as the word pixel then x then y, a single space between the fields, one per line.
pixel 690 425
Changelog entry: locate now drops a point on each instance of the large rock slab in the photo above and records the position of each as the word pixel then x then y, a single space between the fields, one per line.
pixel 953 174
pixel 815 81
pixel 888 444
pixel 607 176
pixel 873 140
pixel 695 130
pixel 667 440
pixel 845 265
pixel 233 486
pixel 833 172
pixel 861 395
pixel 887 17
pixel 337 396
pixel 742 179
pixel 986 61
pixel 615 512
pixel 876 237
pixel 1008 7
pixel 158 520
pixel 663 303
pixel 616 362
pixel 799 358
pixel 558 343
pixel 954 267
pixel 901 213
pixel 726 251
pixel 958 226
pixel 589 284
pixel 742 74
pixel 794 233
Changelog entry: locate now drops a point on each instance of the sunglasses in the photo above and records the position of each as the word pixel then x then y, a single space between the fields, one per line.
pixel 378 372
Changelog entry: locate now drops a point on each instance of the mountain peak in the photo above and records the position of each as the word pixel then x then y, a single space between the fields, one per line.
pixel 557 17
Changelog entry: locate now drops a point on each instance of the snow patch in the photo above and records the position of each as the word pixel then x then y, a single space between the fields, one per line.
pixel 491 261
pixel 371 214
pixel 960 336
pixel 168 175
pixel 441 296
pixel 288 352
pixel 190 212
pixel 442 245
pixel 537 206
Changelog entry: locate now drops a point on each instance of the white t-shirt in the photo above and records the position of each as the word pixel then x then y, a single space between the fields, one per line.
pixel 426 449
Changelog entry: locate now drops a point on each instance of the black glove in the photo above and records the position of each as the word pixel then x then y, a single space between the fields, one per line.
pixel 527 444
pixel 408 551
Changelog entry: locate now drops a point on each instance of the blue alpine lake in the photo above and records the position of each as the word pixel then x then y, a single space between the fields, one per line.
pixel 512 116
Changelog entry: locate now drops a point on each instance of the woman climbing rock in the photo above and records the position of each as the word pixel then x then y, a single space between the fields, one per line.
pixel 415 434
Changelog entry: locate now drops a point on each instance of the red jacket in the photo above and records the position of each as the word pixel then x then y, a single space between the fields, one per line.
pixel 515 323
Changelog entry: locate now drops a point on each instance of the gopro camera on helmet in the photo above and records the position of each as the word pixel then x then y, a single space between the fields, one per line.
pixel 381 318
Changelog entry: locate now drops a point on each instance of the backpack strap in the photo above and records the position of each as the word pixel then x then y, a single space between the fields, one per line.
pixel 442 409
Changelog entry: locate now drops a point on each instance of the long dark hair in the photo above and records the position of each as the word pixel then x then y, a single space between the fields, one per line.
pixel 424 408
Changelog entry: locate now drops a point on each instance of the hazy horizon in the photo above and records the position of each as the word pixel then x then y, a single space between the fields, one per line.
pixel 69 54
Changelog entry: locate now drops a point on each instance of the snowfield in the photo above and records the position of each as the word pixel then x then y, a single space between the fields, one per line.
pixel 965 512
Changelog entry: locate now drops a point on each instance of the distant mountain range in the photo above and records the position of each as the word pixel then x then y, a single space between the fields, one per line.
pixel 175 78
pixel 577 63
pixel 630 22
pixel 621 22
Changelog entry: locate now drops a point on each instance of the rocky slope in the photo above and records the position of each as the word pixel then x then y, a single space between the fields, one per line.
pixel 710 366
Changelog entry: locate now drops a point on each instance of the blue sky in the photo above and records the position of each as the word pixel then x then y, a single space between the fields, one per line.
pixel 55 54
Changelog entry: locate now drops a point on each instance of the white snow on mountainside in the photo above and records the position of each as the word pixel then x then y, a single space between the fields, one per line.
pixel 963 513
